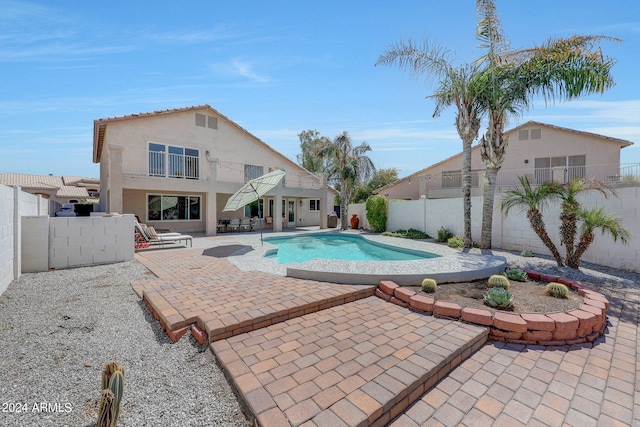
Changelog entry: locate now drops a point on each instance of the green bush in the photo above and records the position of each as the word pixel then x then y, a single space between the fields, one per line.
pixel 429 285
pixel 516 274
pixel 411 233
pixel 527 253
pixel 444 235
pixel 377 213
pixel 557 290
pixel 498 298
pixel 499 281
pixel 455 242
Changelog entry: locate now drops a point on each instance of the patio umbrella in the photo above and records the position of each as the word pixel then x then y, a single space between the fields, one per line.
pixel 252 191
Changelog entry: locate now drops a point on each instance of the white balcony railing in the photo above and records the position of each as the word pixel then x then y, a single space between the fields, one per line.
pixel 628 173
pixel 167 165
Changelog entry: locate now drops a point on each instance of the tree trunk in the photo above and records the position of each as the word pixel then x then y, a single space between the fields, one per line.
pixel 537 223
pixel 466 192
pixel 344 211
pixel 585 242
pixel 568 230
pixel 488 197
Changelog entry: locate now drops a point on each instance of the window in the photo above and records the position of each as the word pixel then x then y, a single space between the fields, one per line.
pixel 523 135
pixel 252 172
pixel 182 162
pixel 559 169
pixel 453 179
pixel 536 133
pixel 173 208
pixel 314 205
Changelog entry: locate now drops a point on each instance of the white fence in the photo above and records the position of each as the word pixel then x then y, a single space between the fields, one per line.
pixel 514 231
pixel 32 241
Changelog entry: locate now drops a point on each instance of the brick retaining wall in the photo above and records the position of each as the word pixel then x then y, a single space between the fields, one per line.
pixel 584 324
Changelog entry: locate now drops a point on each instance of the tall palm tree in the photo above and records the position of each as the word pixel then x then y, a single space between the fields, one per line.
pixel 456 86
pixel 352 166
pixel 560 69
pixel 592 220
pixel 533 201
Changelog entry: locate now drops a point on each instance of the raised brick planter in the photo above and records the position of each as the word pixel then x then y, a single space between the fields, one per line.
pixel 581 325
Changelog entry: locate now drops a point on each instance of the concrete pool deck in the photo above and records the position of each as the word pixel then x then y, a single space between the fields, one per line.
pixel 451 266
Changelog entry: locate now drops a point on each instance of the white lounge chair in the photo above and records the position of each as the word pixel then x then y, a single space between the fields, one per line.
pixel 146 236
pixel 234 225
pixel 245 224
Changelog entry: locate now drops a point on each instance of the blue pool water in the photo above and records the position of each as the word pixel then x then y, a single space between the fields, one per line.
pixel 343 247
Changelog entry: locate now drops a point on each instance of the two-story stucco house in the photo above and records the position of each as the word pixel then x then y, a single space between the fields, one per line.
pixel 176 169
pixel 540 151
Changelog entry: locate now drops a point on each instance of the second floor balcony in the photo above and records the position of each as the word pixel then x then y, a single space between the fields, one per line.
pixel 193 165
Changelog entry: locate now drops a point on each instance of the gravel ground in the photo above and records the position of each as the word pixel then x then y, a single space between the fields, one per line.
pixel 59 329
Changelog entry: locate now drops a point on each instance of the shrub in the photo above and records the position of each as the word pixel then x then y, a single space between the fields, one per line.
pixel 557 290
pixel 455 242
pixel 498 298
pixel 411 233
pixel 377 213
pixel 527 253
pixel 516 274
pixel 429 285
pixel 444 235
pixel 499 281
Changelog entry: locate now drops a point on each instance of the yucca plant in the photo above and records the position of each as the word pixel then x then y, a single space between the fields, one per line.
pixel 499 281
pixel 111 397
pixel 429 285
pixel 517 274
pixel 498 298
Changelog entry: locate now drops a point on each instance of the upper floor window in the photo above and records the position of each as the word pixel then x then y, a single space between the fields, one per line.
pixel 173 162
pixel 252 172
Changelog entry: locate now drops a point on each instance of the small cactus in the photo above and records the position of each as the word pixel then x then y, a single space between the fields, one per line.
pixel 516 274
pixel 429 285
pixel 527 253
pixel 111 397
pixel 498 298
pixel 499 281
pixel 557 290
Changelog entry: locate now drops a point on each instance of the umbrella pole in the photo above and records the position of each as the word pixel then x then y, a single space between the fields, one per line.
pixel 259 218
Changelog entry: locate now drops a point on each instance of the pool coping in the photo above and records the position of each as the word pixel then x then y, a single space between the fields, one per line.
pixel 451 266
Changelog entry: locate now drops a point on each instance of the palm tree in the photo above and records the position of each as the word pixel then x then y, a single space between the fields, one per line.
pixel 352 166
pixel 569 214
pixel 533 201
pixel 591 220
pixel 456 86
pixel 560 69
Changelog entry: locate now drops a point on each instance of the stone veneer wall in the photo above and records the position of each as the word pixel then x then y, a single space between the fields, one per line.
pixel 582 325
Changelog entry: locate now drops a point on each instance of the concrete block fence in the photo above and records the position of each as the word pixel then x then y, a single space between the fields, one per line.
pixel 578 326
pixel 514 232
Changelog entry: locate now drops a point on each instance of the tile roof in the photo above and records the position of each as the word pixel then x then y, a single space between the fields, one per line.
pixel 49 182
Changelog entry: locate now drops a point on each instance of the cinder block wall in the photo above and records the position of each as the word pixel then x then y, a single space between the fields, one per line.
pixel 6 236
pixel 82 241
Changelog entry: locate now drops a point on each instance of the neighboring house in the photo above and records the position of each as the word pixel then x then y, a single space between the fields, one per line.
pixel 176 169
pixel 536 150
pixel 61 189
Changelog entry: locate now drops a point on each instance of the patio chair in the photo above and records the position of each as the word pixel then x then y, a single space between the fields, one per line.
pixel 147 236
pixel 234 225
pixel 254 223
pixel 245 224
pixel 268 221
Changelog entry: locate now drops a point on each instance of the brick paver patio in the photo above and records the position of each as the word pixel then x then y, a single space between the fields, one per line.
pixel 309 353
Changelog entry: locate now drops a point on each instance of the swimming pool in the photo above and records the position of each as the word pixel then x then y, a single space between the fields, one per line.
pixel 339 247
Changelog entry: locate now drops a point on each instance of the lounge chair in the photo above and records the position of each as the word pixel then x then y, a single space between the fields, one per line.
pixel 254 223
pixel 245 224
pixel 234 225
pixel 146 236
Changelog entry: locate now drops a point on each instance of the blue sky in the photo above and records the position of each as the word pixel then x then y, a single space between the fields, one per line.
pixel 276 68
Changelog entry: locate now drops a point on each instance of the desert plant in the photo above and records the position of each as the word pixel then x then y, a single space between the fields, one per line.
pixel 429 285
pixel 516 274
pixel 377 212
pixel 111 396
pixel 527 253
pixel 557 290
pixel 455 242
pixel 444 235
pixel 411 233
pixel 498 298
pixel 499 281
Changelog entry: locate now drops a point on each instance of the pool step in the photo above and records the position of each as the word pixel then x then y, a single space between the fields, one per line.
pixel 356 364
